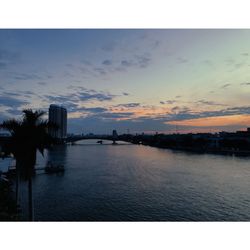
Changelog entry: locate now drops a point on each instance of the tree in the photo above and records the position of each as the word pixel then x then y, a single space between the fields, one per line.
pixel 27 136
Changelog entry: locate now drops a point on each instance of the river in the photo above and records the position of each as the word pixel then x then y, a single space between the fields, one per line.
pixel 140 183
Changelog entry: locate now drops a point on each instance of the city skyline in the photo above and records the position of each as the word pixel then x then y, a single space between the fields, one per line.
pixel 141 80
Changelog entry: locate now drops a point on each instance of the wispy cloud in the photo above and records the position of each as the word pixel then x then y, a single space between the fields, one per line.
pixel 92 110
pixel 245 83
pixel 181 60
pixel 127 63
pixel 80 94
pixel 129 105
pixel 225 86
pixel 8 101
pixel 3 65
pixel 42 83
pixel 245 54
pixel 107 62
pixel 210 103
pixel 26 76
pixel 209 63
pixel 143 60
pixel 109 47
pixel 8 58
pixel 170 101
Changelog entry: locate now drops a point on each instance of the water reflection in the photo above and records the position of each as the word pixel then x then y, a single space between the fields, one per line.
pixel 132 182
pixel 57 154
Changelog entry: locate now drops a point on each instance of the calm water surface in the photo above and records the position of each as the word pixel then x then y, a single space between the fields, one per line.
pixel 140 183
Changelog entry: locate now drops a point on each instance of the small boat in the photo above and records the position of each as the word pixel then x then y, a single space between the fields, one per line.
pixel 54 168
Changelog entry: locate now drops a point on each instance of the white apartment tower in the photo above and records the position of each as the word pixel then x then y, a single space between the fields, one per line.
pixel 58 115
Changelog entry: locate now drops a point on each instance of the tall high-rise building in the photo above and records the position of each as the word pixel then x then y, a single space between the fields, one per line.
pixel 58 115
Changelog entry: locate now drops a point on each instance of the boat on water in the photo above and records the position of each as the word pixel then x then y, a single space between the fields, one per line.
pixel 54 168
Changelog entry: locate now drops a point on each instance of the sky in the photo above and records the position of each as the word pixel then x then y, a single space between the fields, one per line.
pixel 147 80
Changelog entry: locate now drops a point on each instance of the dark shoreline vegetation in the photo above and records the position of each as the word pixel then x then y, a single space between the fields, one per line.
pixel 237 144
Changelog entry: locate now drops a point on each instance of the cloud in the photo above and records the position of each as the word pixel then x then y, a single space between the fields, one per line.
pixel 185 113
pixel 14 111
pixel 74 107
pixel 210 103
pixel 109 66
pixel 27 94
pixel 107 62
pixel 77 88
pixel 170 101
pixel 181 110
pixel 230 61
pixel 86 62
pixel 8 55
pixel 181 60
pixel 7 58
pixel 143 60
pixel 8 101
pixel 139 61
pixel 155 44
pixel 129 105
pixel 109 47
pixel 127 63
pixel 26 76
pixel 92 110
pixel 125 93
pixel 7 93
pixel 100 71
pixel 81 94
pixel 3 65
pixel 245 83
pixel 60 99
pixel 115 115
pixel 42 83
pixel 209 63
pixel 245 54
pixel 238 65
pixel 70 106
pixel 225 86
pixel 84 96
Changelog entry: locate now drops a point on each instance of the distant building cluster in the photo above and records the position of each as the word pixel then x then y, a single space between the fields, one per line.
pixel 58 116
pixel 237 143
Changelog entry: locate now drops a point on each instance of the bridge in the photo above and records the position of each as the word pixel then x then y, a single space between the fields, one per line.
pixel 5 140
pixel 75 138
pixel 114 137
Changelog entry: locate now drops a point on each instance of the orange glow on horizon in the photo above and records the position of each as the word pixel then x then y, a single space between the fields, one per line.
pixel 243 120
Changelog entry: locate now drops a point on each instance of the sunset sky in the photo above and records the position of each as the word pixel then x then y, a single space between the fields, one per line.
pixel 141 80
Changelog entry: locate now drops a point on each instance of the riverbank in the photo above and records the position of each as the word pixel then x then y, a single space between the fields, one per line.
pixel 230 152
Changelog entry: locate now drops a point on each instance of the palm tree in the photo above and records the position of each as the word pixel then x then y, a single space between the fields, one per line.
pixel 27 136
